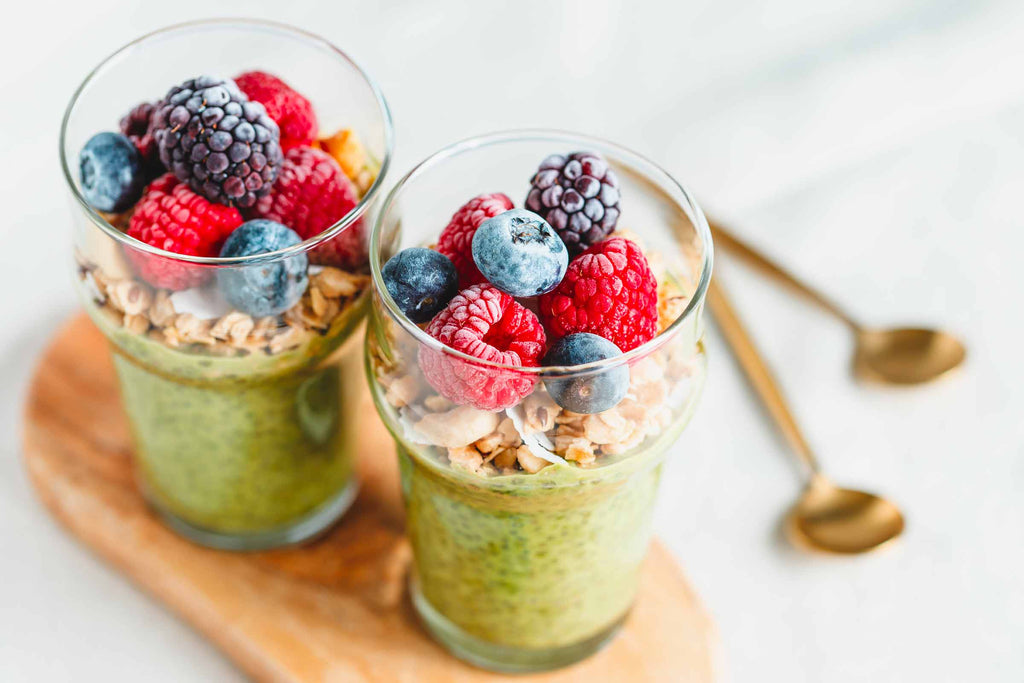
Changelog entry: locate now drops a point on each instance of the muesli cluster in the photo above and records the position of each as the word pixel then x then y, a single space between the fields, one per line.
pixel 225 168
pixel 555 285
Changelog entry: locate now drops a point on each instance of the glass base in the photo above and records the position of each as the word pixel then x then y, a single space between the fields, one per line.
pixel 311 526
pixel 503 658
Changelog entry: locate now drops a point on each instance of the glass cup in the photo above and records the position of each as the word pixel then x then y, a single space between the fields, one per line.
pixel 530 524
pixel 242 422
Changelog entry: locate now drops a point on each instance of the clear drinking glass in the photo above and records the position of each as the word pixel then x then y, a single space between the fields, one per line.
pixel 530 525
pixel 242 424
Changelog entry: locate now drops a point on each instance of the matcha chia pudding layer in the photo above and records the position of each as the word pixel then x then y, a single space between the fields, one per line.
pixel 535 364
pixel 221 246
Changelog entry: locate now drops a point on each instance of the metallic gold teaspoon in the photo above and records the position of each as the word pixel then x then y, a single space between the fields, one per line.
pixel 826 517
pixel 907 355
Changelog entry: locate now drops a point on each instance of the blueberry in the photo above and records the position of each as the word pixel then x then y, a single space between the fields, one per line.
pixel 111 172
pixel 590 391
pixel 519 253
pixel 421 281
pixel 263 288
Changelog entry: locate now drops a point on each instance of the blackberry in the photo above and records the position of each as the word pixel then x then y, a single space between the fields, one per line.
pixel 212 137
pixel 578 195
pixel 137 127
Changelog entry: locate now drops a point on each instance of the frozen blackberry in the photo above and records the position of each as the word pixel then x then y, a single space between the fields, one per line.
pixel 211 136
pixel 578 195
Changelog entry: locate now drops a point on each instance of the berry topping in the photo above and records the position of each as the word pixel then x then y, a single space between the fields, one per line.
pixel 311 194
pixel 110 170
pixel 519 253
pixel 293 113
pixel 578 195
pixel 589 392
pixel 265 288
pixel 456 240
pixel 421 281
pixel 609 291
pixel 213 138
pixel 172 217
pixel 137 127
pixel 488 324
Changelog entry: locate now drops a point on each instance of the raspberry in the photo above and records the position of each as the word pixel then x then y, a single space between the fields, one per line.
pixel 293 113
pixel 136 126
pixel 214 138
pixel 488 324
pixel 311 194
pixel 609 291
pixel 456 240
pixel 174 218
pixel 578 195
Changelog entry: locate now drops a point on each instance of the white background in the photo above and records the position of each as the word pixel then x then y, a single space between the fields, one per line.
pixel 876 147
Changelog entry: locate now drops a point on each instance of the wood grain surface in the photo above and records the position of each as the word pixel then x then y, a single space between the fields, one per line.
pixel 334 610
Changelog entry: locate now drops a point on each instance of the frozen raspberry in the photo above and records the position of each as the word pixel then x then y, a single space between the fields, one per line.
pixel 311 194
pixel 293 112
pixel 136 126
pixel 488 324
pixel 578 195
pixel 609 291
pixel 456 240
pixel 174 218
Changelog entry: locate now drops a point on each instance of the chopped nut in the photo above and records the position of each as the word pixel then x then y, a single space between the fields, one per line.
pixel 334 282
pixel 317 302
pixel 651 394
pixel 235 326
pixel 607 427
pixel 289 338
pixel 457 427
pixel 540 412
pixel 129 297
pixel 575 448
pixel 436 403
pixel 264 327
pixel 630 440
pixel 191 329
pixel 466 457
pixel 509 433
pixel 161 312
pixel 114 316
pixel 103 282
pixel 403 391
pixel 489 443
pixel 505 458
pixel 136 324
pixel 530 462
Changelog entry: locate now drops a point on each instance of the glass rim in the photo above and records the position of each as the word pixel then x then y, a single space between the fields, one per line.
pixel 306 245
pixel 537 135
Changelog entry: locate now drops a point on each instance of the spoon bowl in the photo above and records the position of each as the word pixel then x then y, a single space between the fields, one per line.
pixel 842 521
pixel 895 356
pixel 907 355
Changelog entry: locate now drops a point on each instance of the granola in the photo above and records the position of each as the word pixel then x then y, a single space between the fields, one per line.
pixel 140 309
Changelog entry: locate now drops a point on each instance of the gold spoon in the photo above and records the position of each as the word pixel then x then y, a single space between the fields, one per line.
pixel 825 517
pixel 906 355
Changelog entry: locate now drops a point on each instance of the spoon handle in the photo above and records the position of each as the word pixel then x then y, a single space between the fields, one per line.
pixel 757 372
pixel 755 258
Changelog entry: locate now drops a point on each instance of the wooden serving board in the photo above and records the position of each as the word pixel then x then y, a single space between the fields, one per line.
pixel 334 610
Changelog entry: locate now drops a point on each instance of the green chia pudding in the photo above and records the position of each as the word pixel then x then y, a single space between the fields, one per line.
pixel 530 561
pixel 241 444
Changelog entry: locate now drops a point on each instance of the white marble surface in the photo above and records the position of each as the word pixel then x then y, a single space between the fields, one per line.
pixel 877 147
